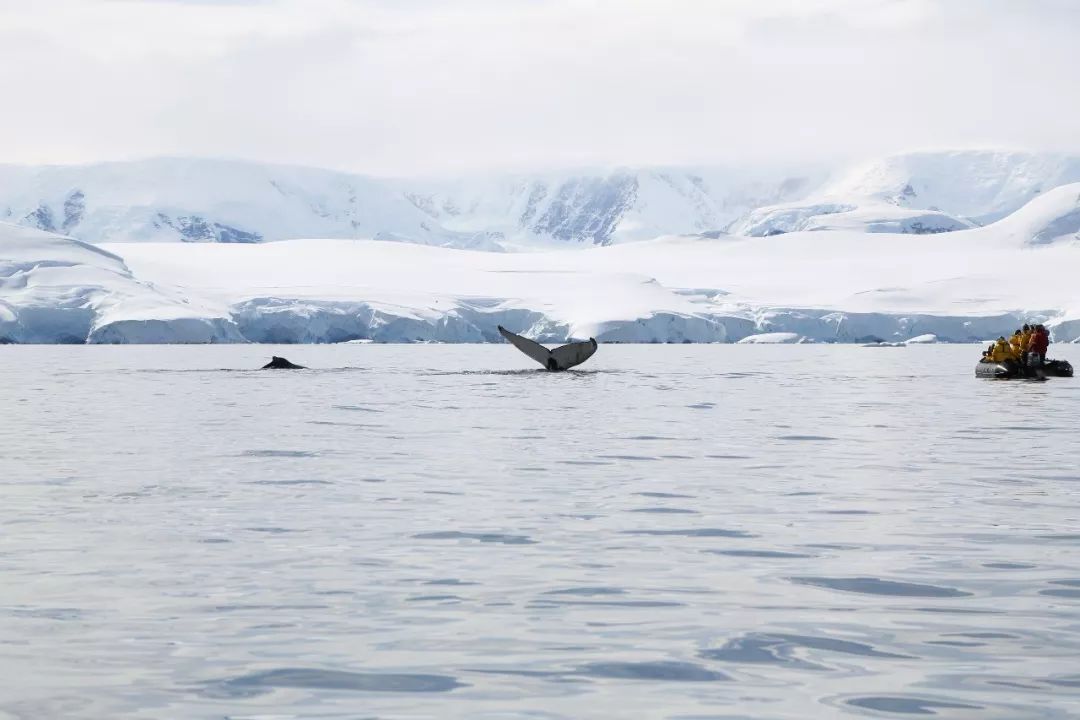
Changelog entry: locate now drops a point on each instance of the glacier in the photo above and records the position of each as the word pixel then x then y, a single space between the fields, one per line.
pixel 833 285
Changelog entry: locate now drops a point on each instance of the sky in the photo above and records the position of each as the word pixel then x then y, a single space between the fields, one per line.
pixel 442 87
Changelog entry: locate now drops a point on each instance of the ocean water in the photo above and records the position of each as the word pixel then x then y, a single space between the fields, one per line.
pixel 444 532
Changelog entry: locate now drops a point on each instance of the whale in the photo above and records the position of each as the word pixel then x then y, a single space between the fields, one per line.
pixel 563 357
pixel 280 363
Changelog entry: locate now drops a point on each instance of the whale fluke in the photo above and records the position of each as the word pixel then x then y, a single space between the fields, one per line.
pixel 280 363
pixel 563 357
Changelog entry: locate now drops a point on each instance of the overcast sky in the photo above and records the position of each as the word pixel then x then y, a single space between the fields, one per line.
pixel 407 87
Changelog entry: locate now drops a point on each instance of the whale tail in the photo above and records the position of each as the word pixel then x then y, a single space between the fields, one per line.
pixel 563 357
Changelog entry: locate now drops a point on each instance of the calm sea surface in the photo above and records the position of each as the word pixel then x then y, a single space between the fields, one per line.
pixel 442 532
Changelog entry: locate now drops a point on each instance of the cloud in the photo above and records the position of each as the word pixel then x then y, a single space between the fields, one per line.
pixel 417 86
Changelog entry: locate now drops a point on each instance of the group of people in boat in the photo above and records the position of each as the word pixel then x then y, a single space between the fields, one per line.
pixel 1025 349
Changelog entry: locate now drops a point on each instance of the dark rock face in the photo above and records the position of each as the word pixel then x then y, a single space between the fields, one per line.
pixel 195 228
pixel 74 209
pixel 918 228
pixel 536 196
pixel 228 234
pixel 425 203
pixel 280 363
pixel 585 209
pixel 42 218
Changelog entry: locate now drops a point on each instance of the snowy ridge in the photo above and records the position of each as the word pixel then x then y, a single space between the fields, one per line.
pixel 189 200
pixel 194 200
pixel 919 193
pixel 218 201
pixel 608 207
pixel 980 185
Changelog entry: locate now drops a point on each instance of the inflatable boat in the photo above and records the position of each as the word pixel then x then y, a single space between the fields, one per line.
pixel 1013 371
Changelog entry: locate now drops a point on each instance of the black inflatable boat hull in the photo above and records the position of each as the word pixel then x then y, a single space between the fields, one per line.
pixel 1058 368
pixel 1000 371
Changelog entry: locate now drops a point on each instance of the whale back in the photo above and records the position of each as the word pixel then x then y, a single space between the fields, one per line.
pixel 280 363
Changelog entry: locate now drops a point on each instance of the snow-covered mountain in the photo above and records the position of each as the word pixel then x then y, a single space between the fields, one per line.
pixel 194 200
pixel 609 207
pixel 920 193
pixel 827 285
pixel 980 185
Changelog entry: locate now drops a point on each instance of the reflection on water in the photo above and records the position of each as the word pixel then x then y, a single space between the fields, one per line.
pixel 445 532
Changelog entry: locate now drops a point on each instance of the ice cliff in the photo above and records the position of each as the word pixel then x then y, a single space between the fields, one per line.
pixel 58 290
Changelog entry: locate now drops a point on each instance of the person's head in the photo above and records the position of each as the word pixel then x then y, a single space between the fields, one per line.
pixel 1001 338
pixel 1041 328
pixel 1017 331
pixel 1027 328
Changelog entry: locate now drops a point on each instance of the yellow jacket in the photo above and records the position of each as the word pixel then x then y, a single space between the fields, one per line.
pixel 1016 342
pixel 1002 352
pixel 1025 341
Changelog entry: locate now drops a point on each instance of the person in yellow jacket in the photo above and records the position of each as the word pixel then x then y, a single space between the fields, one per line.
pixel 1016 343
pixel 1025 340
pixel 1003 351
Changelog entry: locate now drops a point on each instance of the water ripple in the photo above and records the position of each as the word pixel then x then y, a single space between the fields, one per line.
pixel 905 705
pixel 779 649
pixel 693 532
pixel 877 586
pixel 665 671
pixel 315 679
pixel 498 538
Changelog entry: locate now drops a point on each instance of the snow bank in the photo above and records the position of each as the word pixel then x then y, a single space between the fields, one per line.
pixel 1052 217
pixel 58 290
pixel 776 338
